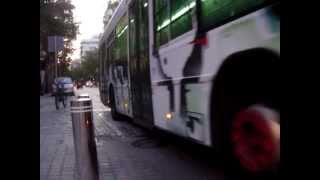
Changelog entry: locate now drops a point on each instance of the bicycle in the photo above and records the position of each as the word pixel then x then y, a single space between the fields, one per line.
pixel 60 96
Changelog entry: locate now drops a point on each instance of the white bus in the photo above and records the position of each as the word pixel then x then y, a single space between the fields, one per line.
pixel 206 70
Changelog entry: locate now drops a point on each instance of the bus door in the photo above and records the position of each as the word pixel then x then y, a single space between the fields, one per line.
pixel 139 63
pixel 121 66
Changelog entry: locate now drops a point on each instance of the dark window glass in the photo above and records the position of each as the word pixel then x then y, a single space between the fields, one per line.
pixel 103 57
pixel 181 25
pixel 162 21
pixel 121 44
pixel 121 39
pixel 173 18
pixel 107 60
pixel 164 35
pixel 143 25
pixel 181 16
pixel 214 12
pixel 161 4
pixel 132 24
pixel 116 49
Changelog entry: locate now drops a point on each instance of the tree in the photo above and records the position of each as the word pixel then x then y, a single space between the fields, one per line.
pixel 90 64
pixel 56 19
pixel 88 67
pixel 76 74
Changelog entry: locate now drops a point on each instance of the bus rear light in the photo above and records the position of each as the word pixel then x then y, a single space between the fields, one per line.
pixel 200 41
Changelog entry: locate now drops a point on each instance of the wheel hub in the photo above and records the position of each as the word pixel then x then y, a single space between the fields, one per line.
pixel 256 138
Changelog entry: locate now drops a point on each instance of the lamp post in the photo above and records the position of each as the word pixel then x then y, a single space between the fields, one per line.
pixel 43 55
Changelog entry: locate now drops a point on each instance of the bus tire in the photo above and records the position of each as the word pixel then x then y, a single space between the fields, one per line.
pixel 114 114
pixel 56 101
pixel 245 81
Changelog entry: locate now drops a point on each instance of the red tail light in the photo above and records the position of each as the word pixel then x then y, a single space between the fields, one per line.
pixel 200 41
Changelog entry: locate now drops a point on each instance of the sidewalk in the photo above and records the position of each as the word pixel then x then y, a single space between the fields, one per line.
pixel 56 142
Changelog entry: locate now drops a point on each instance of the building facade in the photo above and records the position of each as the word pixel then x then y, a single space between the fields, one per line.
pixel 88 45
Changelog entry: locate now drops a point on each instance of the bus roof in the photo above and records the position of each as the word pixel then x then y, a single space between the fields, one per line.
pixel 120 10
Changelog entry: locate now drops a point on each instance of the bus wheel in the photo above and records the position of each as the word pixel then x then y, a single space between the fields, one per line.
pixel 115 115
pixel 245 113
pixel 247 136
pixel 255 138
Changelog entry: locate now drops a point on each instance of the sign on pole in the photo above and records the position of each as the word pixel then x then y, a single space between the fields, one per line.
pixel 55 43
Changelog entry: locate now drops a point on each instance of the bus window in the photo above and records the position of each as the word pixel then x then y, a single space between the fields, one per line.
pixel 216 12
pixel 181 16
pixel 103 59
pixel 107 62
pixel 122 45
pixel 162 21
pixel 116 48
pixel 143 11
pixel 121 33
pixel 173 18
pixel 132 36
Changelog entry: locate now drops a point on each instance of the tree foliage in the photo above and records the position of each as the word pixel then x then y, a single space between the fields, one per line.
pixel 90 63
pixel 56 19
pixel 88 67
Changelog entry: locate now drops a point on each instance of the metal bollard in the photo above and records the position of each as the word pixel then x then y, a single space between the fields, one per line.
pixel 84 143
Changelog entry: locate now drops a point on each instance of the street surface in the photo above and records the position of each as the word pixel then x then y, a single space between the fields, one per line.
pixel 125 151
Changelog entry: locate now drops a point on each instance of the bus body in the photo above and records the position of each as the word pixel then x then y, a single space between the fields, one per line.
pixel 160 58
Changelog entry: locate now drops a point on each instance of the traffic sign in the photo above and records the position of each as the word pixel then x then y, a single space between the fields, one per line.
pixel 55 43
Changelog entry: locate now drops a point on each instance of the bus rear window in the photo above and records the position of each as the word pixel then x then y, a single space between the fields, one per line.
pixel 216 12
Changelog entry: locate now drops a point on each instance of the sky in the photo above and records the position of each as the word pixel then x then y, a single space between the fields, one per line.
pixel 89 13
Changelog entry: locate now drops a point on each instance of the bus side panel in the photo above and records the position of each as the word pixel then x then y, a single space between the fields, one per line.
pixel 172 90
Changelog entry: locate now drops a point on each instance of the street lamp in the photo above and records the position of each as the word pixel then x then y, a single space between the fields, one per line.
pixel 43 55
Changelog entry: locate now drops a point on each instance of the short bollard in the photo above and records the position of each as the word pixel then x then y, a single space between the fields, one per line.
pixel 84 143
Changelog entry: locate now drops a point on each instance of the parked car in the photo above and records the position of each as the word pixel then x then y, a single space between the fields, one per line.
pixel 67 85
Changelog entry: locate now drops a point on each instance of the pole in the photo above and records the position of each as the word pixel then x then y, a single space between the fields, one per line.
pixel 55 56
pixel 86 159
